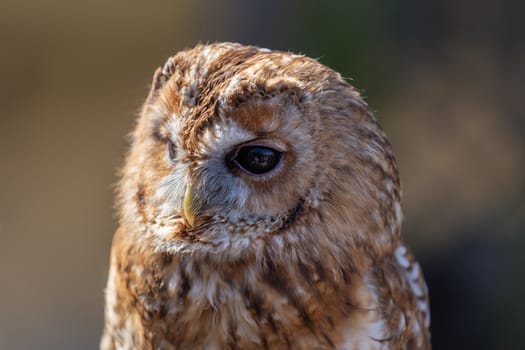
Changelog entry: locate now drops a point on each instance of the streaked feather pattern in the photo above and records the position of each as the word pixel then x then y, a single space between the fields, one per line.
pixel 308 256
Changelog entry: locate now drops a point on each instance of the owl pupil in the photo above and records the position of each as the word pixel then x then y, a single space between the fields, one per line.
pixel 257 160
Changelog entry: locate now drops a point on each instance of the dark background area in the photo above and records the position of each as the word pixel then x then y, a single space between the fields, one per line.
pixel 446 79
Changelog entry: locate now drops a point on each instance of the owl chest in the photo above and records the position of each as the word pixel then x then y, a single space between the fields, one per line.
pixel 215 311
pixel 184 306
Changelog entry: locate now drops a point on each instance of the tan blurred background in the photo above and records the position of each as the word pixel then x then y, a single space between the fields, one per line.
pixel 446 79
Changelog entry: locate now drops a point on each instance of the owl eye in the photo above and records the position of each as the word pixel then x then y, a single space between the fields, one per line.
pixel 172 150
pixel 257 160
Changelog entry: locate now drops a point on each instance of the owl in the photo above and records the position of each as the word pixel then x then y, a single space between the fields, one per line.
pixel 260 208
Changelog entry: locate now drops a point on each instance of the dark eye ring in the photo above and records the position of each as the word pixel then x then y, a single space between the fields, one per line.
pixel 256 160
pixel 172 150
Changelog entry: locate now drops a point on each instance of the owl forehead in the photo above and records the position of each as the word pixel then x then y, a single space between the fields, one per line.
pixel 273 119
pixel 237 92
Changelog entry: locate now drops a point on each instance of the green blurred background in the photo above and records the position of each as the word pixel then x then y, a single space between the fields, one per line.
pixel 446 79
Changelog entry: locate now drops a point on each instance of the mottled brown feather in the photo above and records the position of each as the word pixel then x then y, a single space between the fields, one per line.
pixel 307 257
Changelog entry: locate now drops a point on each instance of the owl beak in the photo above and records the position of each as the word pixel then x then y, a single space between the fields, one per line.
pixel 188 205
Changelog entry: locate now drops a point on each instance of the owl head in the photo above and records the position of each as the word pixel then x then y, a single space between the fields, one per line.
pixel 237 147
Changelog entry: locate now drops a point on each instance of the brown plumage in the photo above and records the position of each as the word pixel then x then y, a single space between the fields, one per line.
pixel 259 207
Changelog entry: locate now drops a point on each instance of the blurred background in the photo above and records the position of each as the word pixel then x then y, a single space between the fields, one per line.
pixel 446 79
